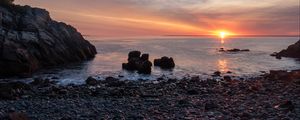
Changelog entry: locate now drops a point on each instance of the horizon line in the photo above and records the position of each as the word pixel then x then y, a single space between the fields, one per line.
pixel 241 35
pixel 203 36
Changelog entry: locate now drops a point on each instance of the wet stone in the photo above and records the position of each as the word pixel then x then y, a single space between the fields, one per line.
pixel 91 81
pixel 192 92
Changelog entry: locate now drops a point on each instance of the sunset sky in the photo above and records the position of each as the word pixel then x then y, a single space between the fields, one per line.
pixel 105 18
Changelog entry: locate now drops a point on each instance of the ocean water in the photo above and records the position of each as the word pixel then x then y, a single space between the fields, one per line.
pixel 192 55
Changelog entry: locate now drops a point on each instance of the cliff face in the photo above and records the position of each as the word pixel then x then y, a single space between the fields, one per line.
pixel 30 39
pixel 292 51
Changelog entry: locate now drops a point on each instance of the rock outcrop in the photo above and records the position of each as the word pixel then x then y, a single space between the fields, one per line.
pixel 233 50
pixel 292 51
pixel 30 40
pixel 138 62
pixel 165 62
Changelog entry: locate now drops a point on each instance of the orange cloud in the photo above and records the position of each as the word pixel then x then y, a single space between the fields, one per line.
pixel 174 17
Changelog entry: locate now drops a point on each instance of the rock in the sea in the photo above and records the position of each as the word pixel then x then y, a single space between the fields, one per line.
pixel 144 67
pixel 217 73
pixel 278 57
pixel 145 57
pixel 164 62
pixel 275 54
pixel 233 50
pixel 30 40
pixel 292 51
pixel 138 62
pixel 134 54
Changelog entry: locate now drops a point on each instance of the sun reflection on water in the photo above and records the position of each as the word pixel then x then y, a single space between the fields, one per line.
pixel 222 40
pixel 223 66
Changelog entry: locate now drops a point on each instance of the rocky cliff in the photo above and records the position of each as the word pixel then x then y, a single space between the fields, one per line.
pixel 30 40
pixel 292 51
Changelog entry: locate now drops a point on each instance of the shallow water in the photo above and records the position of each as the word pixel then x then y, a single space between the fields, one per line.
pixel 193 56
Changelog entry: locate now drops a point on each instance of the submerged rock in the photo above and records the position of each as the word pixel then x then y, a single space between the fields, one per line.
pixel 138 62
pixel 164 62
pixel 30 40
pixel 292 51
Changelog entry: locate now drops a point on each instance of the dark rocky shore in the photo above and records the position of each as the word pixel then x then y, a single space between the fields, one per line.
pixel 293 51
pixel 271 96
pixel 30 40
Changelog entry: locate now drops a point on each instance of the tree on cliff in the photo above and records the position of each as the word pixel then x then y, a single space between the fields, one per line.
pixel 6 2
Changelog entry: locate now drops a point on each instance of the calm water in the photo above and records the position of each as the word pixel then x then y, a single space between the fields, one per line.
pixel 193 56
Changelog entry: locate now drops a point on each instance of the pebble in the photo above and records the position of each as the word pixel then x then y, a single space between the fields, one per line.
pixel 165 99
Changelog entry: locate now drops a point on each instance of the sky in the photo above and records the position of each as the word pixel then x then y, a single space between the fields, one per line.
pixel 115 18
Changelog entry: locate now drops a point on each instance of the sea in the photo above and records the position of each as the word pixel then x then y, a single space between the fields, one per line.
pixel 193 56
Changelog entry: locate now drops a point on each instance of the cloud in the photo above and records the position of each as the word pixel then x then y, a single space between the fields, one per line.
pixel 242 16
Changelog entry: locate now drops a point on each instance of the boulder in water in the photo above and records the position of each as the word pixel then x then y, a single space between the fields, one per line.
pixel 293 51
pixel 138 63
pixel 233 50
pixel 165 62
pixel 134 54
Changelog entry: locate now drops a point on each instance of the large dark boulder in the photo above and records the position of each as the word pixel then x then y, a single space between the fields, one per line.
pixel 292 51
pixel 30 40
pixel 144 67
pixel 165 62
pixel 134 55
pixel 138 62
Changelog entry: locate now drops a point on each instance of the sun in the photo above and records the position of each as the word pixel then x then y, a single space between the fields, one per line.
pixel 222 34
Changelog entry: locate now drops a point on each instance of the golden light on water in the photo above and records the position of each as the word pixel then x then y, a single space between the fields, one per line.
pixel 222 64
pixel 222 34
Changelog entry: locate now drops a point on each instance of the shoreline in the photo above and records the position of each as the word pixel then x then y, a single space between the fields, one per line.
pixel 30 41
pixel 274 95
